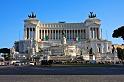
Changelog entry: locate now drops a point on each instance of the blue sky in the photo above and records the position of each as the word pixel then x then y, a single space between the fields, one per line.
pixel 13 12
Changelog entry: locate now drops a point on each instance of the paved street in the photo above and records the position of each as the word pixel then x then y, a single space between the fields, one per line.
pixel 61 74
pixel 28 70
pixel 62 78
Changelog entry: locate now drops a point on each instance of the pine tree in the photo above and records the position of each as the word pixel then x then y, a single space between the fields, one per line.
pixel 118 33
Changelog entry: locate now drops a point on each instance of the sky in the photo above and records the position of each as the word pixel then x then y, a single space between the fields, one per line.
pixel 13 13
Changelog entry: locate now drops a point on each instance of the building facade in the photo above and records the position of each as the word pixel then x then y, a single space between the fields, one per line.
pixel 34 29
pixel 86 37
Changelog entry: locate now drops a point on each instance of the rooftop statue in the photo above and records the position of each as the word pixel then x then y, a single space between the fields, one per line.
pixel 92 15
pixel 32 15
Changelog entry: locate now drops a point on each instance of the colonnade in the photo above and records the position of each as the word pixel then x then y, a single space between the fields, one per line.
pixel 29 33
pixel 56 34
pixel 94 33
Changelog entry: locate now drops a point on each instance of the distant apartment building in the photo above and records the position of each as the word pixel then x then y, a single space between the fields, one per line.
pixel 118 46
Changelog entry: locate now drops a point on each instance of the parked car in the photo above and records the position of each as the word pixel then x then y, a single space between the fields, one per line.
pixel 18 64
pixel 92 61
pixel 2 63
pixel 31 63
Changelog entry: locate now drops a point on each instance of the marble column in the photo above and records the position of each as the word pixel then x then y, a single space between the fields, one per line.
pixel 98 33
pixel 36 36
pixel 58 35
pixel 92 33
pixel 74 33
pixel 32 34
pixel 29 33
pixel 69 34
pixel 44 34
pixel 66 33
pixel 41 35
pixel 52 34
pixel 84 34
pixel 95 33
pixel 80 34
pixel 77 33
pixel 24 33
pixel 55 34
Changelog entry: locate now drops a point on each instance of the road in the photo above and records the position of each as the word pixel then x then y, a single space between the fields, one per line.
pixel 28 70
pixel 61 78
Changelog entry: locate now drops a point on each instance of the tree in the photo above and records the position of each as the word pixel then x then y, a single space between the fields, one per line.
pixel 7 57
pixel 120 53
pixel 6 52
pixel 118 33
